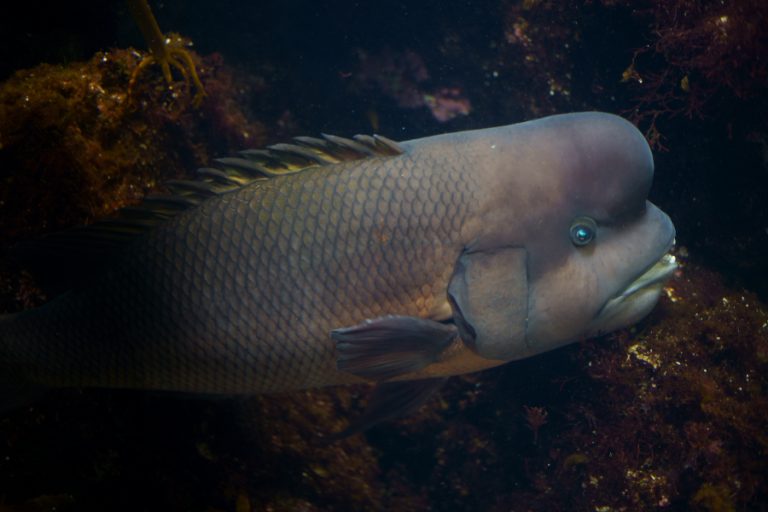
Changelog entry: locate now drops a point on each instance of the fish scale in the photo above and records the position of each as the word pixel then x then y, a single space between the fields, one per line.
pixel 357 260
pixel 240 294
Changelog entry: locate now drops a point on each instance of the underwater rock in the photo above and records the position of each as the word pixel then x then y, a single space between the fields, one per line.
pixel 75 145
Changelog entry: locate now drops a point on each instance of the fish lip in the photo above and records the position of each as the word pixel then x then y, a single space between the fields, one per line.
pixel 658 271
pixel 654 275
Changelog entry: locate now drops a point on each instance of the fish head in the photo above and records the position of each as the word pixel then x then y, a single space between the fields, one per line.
pixel 569 200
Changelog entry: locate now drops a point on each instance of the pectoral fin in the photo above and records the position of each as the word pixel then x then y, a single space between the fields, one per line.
pixel 391 400
pixel 489 296
pixel 383 348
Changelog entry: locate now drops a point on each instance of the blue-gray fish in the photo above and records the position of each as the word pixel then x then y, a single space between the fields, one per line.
pixel 332 261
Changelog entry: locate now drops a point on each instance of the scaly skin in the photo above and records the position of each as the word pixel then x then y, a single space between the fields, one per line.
pixel 240 294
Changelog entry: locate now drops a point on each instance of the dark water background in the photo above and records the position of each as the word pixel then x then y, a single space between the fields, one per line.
pixel 697 89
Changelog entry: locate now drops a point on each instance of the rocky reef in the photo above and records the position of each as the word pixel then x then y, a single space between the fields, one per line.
pixel 667 415
pixel 77 142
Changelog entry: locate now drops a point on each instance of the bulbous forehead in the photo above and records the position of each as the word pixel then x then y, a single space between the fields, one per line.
pixel 607 166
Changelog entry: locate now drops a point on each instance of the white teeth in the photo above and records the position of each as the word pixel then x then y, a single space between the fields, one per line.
pixel 669 259
pixel 638 298
pixel 659 272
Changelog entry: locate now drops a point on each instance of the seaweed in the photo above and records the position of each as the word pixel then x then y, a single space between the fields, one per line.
pixel 78 142
pixel 704 57
pixel 667 415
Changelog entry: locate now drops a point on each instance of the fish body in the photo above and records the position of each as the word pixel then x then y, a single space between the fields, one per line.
pixel 461 252
pixel 240 294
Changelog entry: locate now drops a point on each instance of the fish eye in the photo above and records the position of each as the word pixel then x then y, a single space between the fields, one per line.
pixel 583 230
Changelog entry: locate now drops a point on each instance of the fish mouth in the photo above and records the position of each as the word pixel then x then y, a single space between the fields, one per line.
pixel 636 299
pixel 656 274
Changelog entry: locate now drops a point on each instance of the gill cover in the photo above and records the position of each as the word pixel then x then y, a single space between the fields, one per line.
pixel 489 296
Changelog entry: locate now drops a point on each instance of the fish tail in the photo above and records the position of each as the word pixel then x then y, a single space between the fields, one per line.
pixel 15 389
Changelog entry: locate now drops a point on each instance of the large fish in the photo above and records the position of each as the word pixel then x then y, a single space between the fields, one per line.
pixel 333 261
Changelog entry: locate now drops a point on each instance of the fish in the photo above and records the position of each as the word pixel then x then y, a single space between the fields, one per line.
pixel 332 261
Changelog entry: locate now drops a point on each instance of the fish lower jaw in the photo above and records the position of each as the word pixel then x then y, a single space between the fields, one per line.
pixel 637 299
pixel 658 273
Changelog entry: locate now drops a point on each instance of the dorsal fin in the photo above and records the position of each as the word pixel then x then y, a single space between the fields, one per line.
pixel 64 258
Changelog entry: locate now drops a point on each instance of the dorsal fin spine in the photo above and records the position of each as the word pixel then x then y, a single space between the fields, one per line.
pixel 232 173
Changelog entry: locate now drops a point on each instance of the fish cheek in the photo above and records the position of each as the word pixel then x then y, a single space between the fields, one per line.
pixel 563 301
pixel 489 297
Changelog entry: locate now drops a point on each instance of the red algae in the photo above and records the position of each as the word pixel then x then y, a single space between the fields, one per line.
pixel 74 146
pixel 667 415
pixel 693 396
pixel 704 56
pixel 693 59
